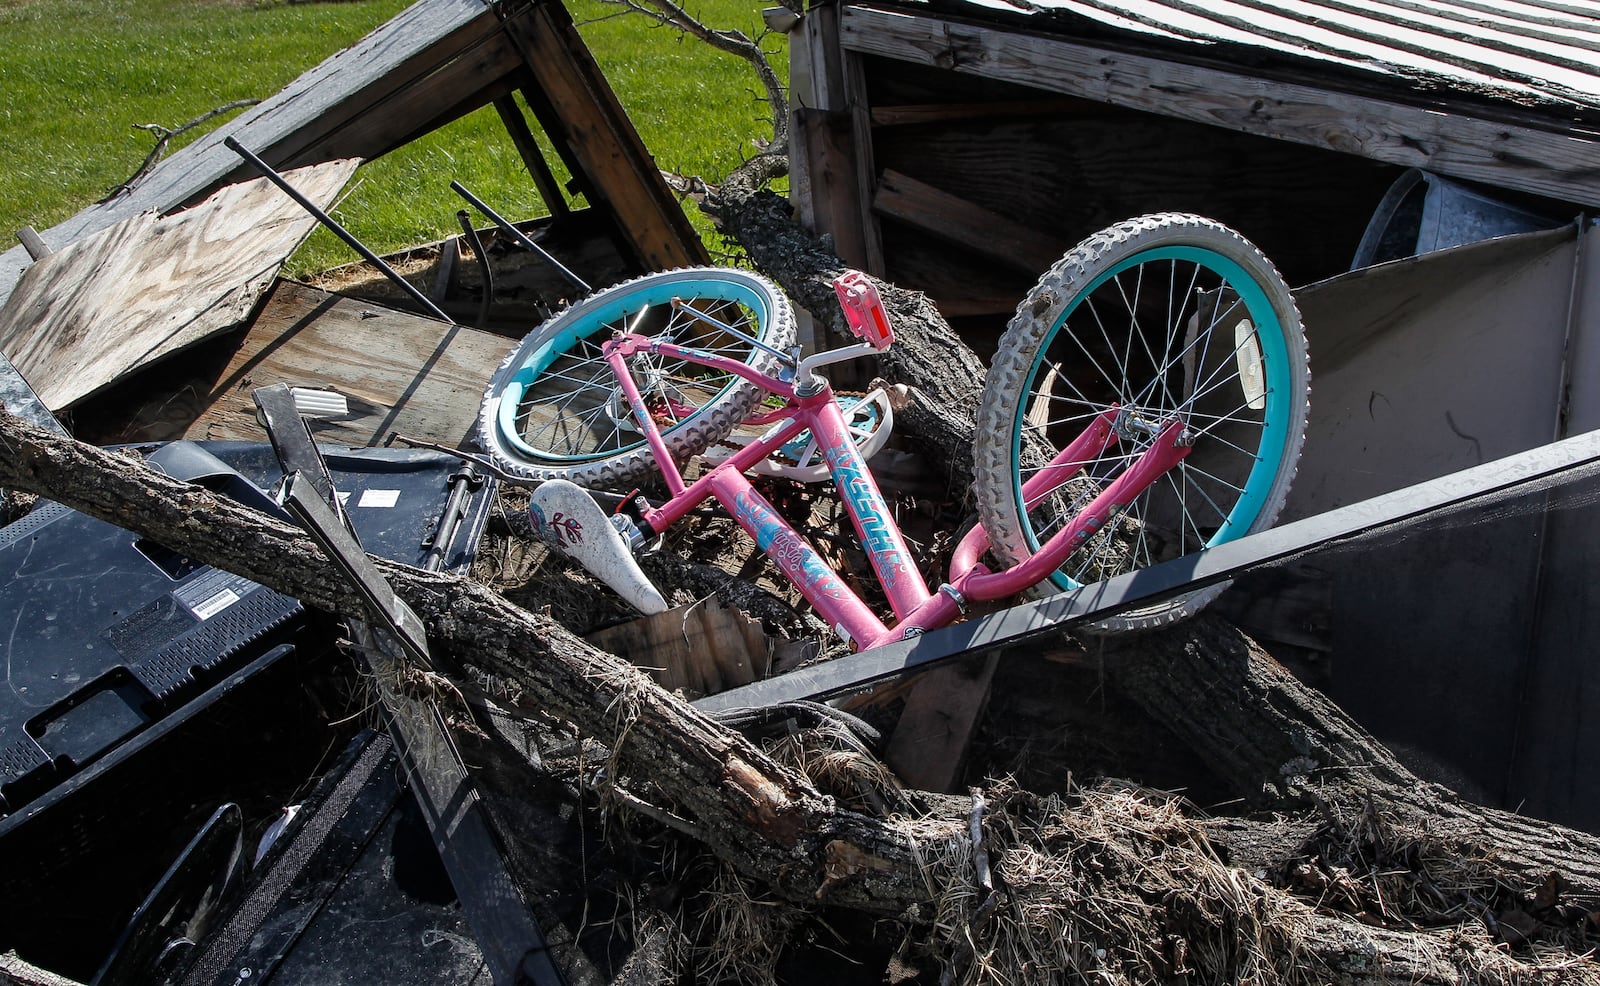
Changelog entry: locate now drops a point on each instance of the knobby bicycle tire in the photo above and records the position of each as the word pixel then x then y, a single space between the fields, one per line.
pixel 1162 315
pixel 553 409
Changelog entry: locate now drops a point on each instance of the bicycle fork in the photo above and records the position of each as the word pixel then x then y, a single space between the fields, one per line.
pixel 1171 446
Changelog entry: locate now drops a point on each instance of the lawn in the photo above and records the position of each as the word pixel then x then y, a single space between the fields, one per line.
pixel 80 75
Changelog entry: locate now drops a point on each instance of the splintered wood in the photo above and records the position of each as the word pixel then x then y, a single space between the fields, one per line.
pixel 150 286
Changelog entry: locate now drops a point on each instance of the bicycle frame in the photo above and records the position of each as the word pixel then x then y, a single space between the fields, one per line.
pixel 916 607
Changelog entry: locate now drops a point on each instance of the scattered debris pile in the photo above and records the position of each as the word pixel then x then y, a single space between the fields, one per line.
pixel 447 752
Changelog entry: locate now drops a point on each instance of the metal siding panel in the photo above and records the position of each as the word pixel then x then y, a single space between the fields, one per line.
pixel 1423 367
pixel 1432 364
pixel 1552 772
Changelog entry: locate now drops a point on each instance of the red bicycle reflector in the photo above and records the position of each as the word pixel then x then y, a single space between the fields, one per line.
pixel 863 309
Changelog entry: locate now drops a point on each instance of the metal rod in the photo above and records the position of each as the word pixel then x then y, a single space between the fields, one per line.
pixel 519 236
pixel 338 230
pixel 467 230
pixel 678 304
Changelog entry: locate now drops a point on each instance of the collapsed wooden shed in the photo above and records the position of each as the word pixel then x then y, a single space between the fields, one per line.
pixel 957 146
pixel 960 147
pixel 343 324
pixel 1035 124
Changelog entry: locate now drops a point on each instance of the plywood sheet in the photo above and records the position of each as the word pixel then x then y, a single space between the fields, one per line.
pixel 400 372
pixel 147 287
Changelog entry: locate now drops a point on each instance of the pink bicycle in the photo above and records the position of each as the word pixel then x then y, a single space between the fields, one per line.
pixel 1147 400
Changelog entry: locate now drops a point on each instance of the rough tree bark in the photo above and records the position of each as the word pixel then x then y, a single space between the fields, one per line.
pixel 775 826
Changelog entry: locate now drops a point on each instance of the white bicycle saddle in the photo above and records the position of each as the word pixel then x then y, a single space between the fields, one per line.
pixel 568 519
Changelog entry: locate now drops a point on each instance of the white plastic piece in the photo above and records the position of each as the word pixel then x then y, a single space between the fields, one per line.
pixel 319 403
pixel 1252 375
pixel 568 519
pixel 276 829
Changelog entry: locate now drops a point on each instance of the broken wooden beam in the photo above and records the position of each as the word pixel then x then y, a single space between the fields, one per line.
pixel 591 124
pixel 1540 155
pixel 398 371
pixel 699 649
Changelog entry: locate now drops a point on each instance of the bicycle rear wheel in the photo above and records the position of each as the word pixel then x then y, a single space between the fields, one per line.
pixel 1162 316
pixel 553 409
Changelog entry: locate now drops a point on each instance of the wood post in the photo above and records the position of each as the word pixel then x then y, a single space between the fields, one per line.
pixel 590 122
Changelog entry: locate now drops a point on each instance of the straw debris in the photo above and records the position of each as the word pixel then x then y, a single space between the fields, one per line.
pixel 1113 885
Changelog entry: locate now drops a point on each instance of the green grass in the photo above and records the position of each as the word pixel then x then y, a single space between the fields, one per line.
pixel 78 75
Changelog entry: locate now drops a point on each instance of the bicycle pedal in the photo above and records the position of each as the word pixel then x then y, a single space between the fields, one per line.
pixel 567 518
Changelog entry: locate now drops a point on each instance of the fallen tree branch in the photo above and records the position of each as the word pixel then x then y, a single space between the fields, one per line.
pixel 164 137
pixel 15 971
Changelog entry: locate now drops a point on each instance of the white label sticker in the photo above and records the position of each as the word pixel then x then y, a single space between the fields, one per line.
pixel 212 605
pixel 378 498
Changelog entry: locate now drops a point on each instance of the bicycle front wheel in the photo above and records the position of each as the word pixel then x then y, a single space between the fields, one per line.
pixel 1164 316
pixel 554 410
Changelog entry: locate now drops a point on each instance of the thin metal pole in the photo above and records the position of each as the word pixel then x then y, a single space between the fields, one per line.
pixel 1559 462
pixel 465 219
pixel 519 236
pixel 338 230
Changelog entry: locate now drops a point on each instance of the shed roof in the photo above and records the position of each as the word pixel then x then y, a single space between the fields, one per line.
pixel 1541 55
pixel 1505 92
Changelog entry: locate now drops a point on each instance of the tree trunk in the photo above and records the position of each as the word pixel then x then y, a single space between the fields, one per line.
pixel 1152 874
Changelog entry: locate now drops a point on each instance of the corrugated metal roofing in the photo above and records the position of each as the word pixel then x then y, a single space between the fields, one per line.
pixel 1543 53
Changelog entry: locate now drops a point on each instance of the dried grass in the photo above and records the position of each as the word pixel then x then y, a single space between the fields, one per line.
pixel 1112 885
pixel 741 932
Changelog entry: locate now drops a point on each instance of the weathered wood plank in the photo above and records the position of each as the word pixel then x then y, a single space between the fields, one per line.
pixel 702 649
pixel 822 140
pixel 1519 154
pixel 952 218
pixel 859 106
pixel 413 46
pixel 925 113
pixel 400 372
pixel 1074 175
pixel 447 84
pixel 532 157
pixel 594 127
pixel 148 287
pixel 928 749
